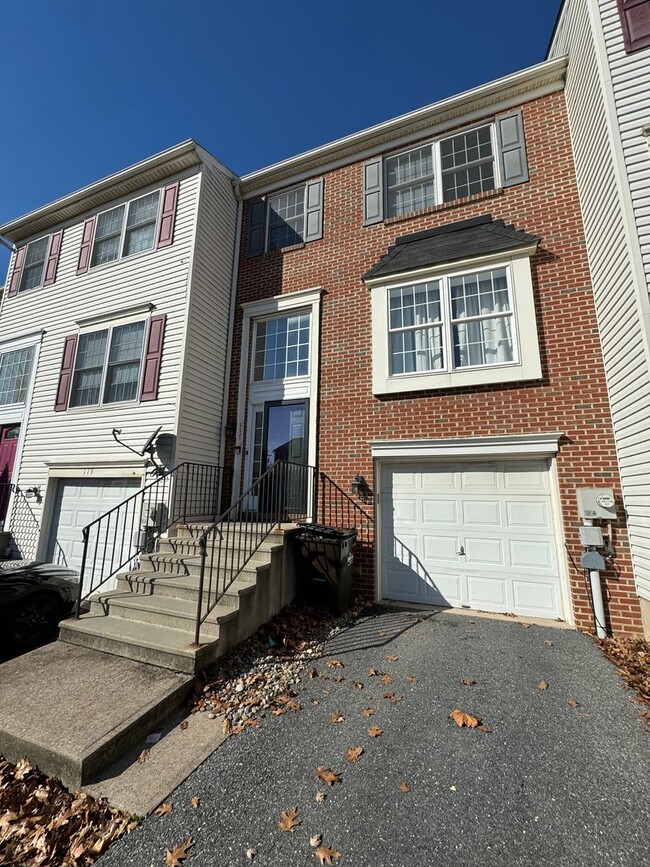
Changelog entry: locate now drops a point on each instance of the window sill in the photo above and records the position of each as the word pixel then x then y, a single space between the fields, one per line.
pixel 280 251
pixel 476 376
pixel 445 206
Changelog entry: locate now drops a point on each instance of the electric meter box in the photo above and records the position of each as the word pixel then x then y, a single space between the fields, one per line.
pixel 591 537
pixel 596 503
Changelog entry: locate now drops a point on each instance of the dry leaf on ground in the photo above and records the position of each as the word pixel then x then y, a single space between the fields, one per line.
pixel 464 719
pixel 485 730
pixel 163 808
pixel 543 684
pixel 467 681
pixel 381 634
pixel 337 717
pixel 144 755
pixel 327 776
pixel 184 725
pixel 311 673
pixel 386 679
pixel 353 754
pixel 369 711
pixel 320 797
pixel 288 819
pixel 338 678
pixel 404 787
pixel 251 853
pixel 179 853
pixel 411 678
pixel 334 663
pixel 358 685
pixel 373 672
pixel 573 702
pixel 375 731
pixel 391 658
pixel 548 642
pixel 195 802
pixel 396 699
pixel 315 840
pixel 324 855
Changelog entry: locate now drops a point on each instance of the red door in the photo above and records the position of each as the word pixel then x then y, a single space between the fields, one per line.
pixel 8 442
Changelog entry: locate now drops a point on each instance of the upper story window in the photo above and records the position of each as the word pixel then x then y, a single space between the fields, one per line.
pixel 36 264
pixel 286 218
pixel 15 375
pixel 635 20
pixel 281 347
pixel 471 161
pixel 125 230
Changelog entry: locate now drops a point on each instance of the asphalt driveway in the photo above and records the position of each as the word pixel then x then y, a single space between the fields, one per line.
pixel 552 782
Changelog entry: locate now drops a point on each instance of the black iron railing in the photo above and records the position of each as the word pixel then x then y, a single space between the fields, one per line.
pixel 284 493
pixel 335 508
pixel 114 540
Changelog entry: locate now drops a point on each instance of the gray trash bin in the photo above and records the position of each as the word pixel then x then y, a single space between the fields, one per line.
pixel 325 557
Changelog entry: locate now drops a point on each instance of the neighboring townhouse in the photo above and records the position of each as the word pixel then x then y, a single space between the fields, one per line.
pixel 607 43
pixel 115 317
pixel 415 316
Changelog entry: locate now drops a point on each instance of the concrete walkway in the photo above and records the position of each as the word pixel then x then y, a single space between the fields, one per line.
pixel 552 783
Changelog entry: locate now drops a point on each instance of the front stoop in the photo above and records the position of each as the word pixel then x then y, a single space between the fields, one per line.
pixel 150 617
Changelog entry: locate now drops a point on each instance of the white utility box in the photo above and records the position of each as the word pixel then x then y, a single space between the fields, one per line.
pixel 591 537
pixel 598 503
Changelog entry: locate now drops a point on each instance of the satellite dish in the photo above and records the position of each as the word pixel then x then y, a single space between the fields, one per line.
pixel 148 446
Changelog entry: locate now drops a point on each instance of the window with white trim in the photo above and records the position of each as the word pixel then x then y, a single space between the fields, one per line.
pixel 34 266
pixel 15 375
pixel 281 348
pixel 108 365
pixel 289 217
pixel 127 229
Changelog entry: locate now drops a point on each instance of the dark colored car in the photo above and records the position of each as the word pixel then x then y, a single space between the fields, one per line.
pixel 33 599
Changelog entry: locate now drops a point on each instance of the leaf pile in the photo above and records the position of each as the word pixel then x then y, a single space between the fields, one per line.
pixel 44 825
pixel 632 658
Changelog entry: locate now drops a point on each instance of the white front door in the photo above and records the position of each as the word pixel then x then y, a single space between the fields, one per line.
pixel 78 503
pixel 477 535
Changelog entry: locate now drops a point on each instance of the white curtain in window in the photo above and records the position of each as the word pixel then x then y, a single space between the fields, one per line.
pixel 482 341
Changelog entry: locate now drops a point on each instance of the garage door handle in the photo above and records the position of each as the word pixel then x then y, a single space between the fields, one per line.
pixel 462 551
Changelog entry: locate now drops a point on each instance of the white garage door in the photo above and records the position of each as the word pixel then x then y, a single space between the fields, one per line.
pixel 78 503
pixel 478 535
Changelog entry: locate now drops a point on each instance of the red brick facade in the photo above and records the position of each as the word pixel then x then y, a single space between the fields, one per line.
pixel 571 397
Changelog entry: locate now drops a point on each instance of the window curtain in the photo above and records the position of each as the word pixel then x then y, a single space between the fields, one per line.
pixel 482 341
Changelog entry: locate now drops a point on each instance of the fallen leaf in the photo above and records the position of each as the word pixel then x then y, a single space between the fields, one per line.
pixel 381 634
pixel 485 729
pixel 144 755
pixel 396 699
pixel 573 702
pixel 353 754
pixel 375 731
pixel 543 684
pixel 334 663
pixel 452 788
pixel 548 642
pixel 327 776
pixel 386 679
pixel 164 808
pixel 320 797
pixel 358 684
pixel 337 717
pixel 311 673
pixel 369 711
pixel 179 853
pixel 373 672
pixel 388 694
pixel 184 725
pixel 467 681
pixel 391 658
pixel 315 840
pixel 411 678
pixel 288 820
pixel 23 767
pixel 404 787
pixel 338 678
pixel 251 853
pixel 226 728
pixel 195 802
pixel 464 719
pixel 324 855
pixel 315 701
pixel 526 625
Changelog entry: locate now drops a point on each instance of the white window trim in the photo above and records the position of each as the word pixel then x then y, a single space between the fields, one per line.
pixel 524 327
pixel 13 413
pixel 434 144
pixel 126 204
pixel 259 383
pixel 39 285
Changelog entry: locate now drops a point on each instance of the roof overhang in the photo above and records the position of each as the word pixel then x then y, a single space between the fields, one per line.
pixel 526 84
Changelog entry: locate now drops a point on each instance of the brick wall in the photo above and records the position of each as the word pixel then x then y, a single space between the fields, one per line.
pixel 571 397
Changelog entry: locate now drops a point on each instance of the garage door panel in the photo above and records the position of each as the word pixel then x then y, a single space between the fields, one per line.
pixel 532 555
pixel 404 549
pixel 480 477
pixel 488 551
pixel 526 476
pixel 405 511
pixel 435 479
pixel 535 598
pixel 484 591
pixel 438 547
pixel 482 513
pixel 528 514
pixel 442 589
pixel 440 511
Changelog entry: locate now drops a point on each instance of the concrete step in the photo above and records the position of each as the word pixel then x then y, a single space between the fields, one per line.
pixel 145 642
pixel 186 587
pixel 190 547
pixel 225 559
pixel 195 529
pixel 159 610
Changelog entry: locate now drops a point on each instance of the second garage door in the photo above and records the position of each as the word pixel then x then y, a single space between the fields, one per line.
pixel 477 535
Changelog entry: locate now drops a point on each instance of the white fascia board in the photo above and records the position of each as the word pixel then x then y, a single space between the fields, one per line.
pixel 495 96
pixel 470 447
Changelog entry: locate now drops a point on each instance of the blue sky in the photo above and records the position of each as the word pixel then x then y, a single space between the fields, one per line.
pixel 91 86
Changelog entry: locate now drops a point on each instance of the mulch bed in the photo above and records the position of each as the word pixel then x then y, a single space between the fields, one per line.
pixel 632 658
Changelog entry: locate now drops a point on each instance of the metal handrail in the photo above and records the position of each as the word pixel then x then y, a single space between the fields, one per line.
pixel 116 538
pixel 337 508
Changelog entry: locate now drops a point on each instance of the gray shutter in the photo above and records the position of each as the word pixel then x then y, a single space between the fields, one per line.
pixel 512 149
pixel 256 215
pixel 314 210
pixel 373 193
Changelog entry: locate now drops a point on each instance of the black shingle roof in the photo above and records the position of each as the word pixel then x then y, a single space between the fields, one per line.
pixel 465 239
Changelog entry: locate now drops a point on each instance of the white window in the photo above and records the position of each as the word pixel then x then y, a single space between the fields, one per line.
pixel 286 218
pixel 108 364
pixel 34 267
pixel 125 230
pixel 469 326
pixel 282 347
pixel 15 375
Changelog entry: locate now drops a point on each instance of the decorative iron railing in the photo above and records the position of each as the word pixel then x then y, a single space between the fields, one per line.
pixel 115 539
pixel 336 508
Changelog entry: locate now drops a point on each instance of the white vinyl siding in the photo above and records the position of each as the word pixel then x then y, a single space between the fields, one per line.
pixel 613 172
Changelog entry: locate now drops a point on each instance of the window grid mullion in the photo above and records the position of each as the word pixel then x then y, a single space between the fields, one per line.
pixel 437 162
pixel 107 355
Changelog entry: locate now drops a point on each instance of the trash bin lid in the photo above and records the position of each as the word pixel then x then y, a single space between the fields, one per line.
pixel 324 532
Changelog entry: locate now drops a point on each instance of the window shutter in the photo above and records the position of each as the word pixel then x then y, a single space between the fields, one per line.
pixel 65 376
pixel 86 245
pixel 373 193
pixel 635 20
pixel 314 210
pixel 17 273
pixel 512 149
pixel 153 357
pixel 256 215
pixel 53 258
pixel 168 215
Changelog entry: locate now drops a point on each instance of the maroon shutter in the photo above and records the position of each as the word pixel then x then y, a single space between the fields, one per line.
pixel 17 273
pixel 53 258
pixel 168 215
pixel 153 357
pixel 65 377
pixel 635 19
pixel 86 246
